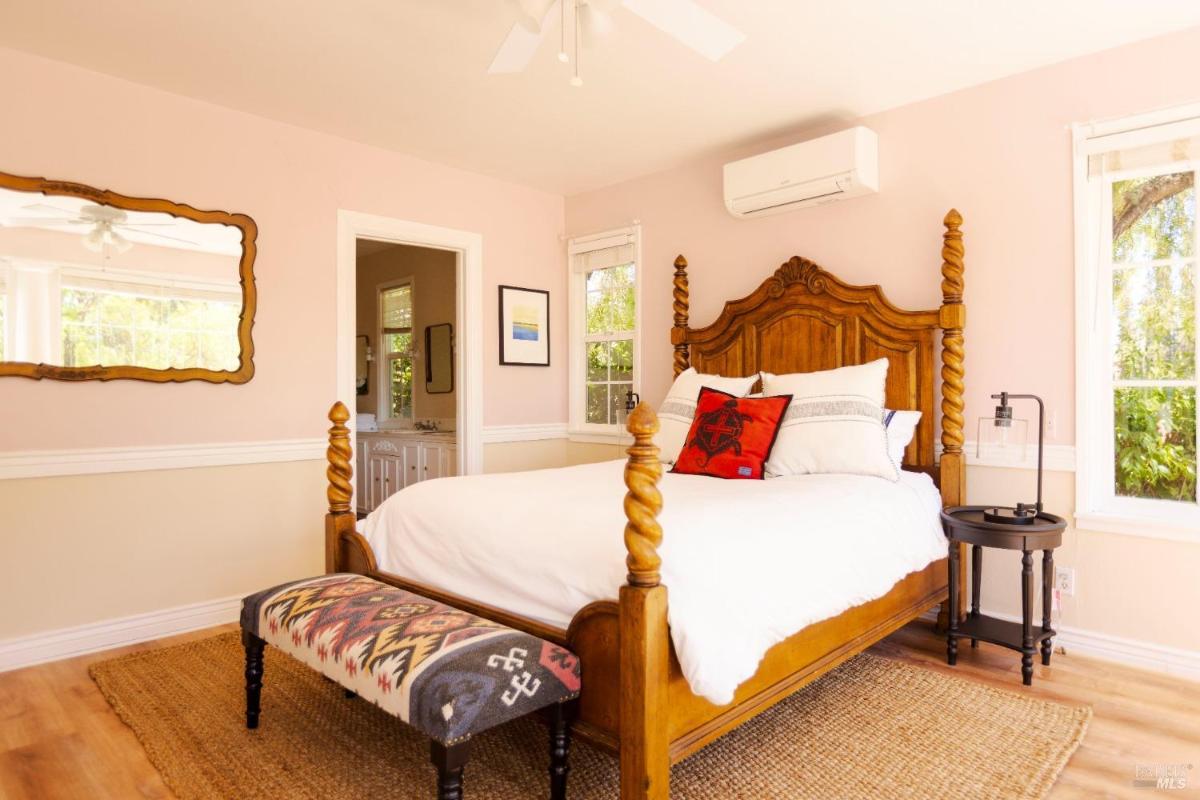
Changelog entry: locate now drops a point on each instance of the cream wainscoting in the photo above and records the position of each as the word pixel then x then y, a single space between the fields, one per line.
pixel 112 547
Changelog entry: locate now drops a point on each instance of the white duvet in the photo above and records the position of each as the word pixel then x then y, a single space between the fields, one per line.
pixel 746 563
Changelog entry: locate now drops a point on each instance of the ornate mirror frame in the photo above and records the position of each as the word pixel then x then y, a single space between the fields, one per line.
pixel 245 370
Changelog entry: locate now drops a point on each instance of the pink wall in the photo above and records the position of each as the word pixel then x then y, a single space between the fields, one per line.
pixel 67 123
pixel 999 152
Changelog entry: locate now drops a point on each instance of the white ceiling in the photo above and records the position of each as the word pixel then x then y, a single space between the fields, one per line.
pixel 411 75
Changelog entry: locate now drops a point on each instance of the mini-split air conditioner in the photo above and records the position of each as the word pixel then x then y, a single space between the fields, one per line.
pixel 835 167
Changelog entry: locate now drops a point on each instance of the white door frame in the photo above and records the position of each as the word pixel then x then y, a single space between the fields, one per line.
pixel 468 337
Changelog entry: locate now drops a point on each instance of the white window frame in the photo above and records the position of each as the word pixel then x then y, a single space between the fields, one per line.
pixel 1097 506
pixel 6 297
pixel 577 340
pixel 385 421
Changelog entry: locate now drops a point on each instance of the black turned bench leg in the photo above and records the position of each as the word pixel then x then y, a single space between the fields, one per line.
pixel 254 676
pixel 450 760
pixel 561 717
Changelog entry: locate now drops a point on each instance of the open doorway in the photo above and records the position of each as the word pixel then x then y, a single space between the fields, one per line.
pixel 407 415
pixel 409 351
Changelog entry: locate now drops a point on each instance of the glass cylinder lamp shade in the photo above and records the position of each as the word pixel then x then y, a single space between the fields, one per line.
pixel 1002 438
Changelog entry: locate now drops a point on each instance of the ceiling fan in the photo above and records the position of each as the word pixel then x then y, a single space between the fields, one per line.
pixel 105 223
pixel 684 20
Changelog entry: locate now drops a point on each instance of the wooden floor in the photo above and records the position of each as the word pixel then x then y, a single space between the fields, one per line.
pixel 59 739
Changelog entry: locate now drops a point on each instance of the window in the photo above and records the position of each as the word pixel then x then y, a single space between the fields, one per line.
pixel 395 322
pixel 604 335
pixel 105 322
pixel 1137 338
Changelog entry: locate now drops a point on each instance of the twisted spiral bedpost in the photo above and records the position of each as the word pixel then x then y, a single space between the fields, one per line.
pixel 680 305
pixel 340 520
pixel 339 453
pixel 643 501
pixel 644 636
pixel 953 318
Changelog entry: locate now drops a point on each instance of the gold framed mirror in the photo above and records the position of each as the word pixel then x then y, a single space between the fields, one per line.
pixel 95 285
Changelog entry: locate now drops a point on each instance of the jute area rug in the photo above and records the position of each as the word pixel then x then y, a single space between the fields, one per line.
pixel 874 728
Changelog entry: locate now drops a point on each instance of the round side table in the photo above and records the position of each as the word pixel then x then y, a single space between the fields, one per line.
pixel 967 524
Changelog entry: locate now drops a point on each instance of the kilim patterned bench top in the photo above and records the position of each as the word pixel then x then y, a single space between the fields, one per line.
pixel 447 673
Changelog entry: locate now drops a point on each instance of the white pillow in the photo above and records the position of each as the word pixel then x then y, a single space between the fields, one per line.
pixel 679 407
pixel 834 423
pixel 901 427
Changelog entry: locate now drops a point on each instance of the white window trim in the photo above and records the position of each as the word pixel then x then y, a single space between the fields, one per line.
pixel 577 429
pixel 1097 508
pixel 384 420
pixel 9 317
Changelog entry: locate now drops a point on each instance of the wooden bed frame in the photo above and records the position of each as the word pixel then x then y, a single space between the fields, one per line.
pixel 636 701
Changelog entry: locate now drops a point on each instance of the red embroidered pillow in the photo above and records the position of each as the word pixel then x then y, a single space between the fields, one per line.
pixel 731 437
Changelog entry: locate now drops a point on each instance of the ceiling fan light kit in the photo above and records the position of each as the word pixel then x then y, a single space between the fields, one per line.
pixel 683 20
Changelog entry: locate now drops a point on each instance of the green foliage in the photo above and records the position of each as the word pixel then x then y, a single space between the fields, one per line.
pixel 110 328
pixel 609 312
pixel 400 374
pixel 1154 312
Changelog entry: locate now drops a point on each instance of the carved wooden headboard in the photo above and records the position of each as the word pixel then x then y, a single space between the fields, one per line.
pixel 803 319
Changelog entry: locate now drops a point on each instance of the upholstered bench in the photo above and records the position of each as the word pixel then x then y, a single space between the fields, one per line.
pixel 445 672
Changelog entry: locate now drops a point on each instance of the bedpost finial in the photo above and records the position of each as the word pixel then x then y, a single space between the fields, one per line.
pixel 680 262
pixel 643 501
pixel 952 259
pixel 339 472
pixel 953 219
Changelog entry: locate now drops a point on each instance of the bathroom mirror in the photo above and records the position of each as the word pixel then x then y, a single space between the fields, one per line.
pixel 439 359
pixel 95 285
pixel 362 364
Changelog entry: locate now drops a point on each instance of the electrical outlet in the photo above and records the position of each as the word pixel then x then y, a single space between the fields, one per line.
pixel 1064 580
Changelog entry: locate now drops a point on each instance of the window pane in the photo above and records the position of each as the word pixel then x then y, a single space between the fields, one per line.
pixel 79 346
pixel 1156 442
pixel 616 401
pixel 398 342
pixel 610 300
pixel 1155 313
pixel 598 357
pixel 622 360
pixel 116 345
pixel 597 403
pixel 401 387
pixel 1154 217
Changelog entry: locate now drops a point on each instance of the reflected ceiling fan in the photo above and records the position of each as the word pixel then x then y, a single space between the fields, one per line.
pixel 683 20
pixel 105 222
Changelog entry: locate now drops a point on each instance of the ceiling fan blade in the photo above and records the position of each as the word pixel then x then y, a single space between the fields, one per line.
pixel 594 22
pixel 690 24
pixel 134 229
pixel 520 45
pixel 46 221
pixel 47 207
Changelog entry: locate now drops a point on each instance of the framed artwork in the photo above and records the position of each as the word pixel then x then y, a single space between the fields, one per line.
pixel 524 327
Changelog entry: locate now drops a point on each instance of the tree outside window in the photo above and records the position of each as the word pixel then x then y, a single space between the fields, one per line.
pixel 1154 334
pixel 396 319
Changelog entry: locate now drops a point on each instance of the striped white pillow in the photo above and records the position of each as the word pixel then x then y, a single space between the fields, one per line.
pixel 679 407
pixel 834 423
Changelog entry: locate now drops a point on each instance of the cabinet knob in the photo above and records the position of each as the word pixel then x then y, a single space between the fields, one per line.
pixel 414 466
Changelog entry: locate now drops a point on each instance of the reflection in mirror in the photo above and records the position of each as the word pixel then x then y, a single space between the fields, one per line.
pixel 439 359
pixel 85 284
pixel 362 361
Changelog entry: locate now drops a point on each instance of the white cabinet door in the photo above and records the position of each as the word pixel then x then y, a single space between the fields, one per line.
pixel 393 475
pixel 413 468
pixel 376 469
pixel 439 461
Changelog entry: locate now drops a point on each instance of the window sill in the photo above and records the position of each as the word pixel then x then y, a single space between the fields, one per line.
pixel 1184 527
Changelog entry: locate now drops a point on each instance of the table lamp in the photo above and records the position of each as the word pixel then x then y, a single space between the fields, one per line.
pixel 1005 434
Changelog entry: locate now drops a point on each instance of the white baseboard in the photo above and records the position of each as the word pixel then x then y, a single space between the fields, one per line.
pixel 37 648
pixel 1128 652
